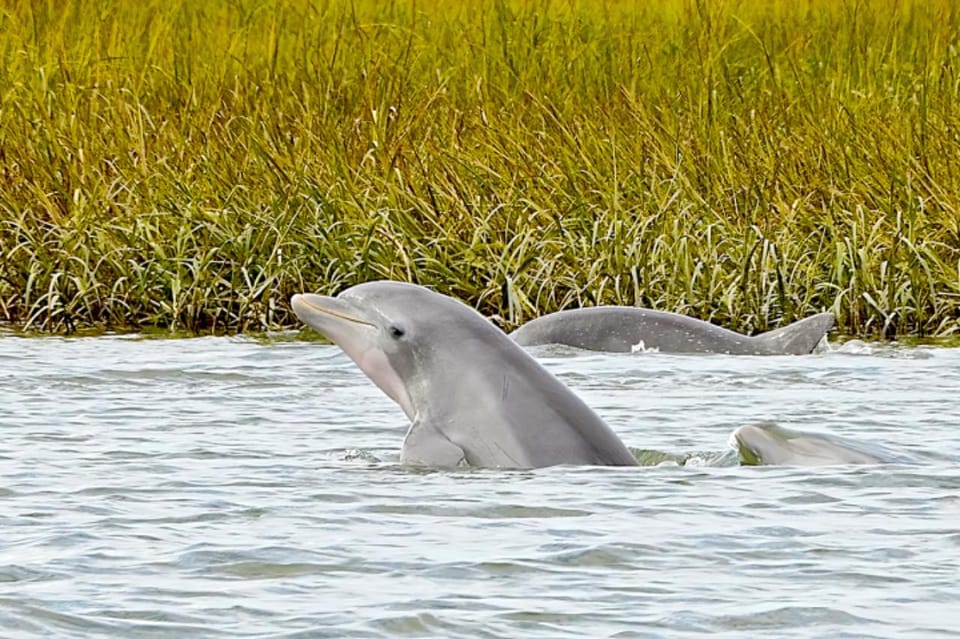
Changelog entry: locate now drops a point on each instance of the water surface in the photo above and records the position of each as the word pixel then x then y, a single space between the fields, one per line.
pixel 235 487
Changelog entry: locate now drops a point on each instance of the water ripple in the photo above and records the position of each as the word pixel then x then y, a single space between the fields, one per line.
pixel 232 487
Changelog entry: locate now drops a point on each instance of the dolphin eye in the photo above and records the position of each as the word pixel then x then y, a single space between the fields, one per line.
pixel 397 331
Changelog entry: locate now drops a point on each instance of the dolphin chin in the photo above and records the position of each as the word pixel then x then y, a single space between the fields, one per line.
pixel 346 325
pixel 767 444
pixel 472 394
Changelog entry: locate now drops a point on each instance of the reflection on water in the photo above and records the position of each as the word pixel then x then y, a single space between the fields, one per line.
pixel 236 487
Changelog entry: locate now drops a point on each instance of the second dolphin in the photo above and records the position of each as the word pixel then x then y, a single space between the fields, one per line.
pixel 625 329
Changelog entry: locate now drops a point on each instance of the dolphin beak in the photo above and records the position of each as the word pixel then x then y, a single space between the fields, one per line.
pixel 342 323
pixel 324 313
pixel 739 442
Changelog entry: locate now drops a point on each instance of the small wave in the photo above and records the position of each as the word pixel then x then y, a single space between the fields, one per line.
pixel 649 457
pixel 895 350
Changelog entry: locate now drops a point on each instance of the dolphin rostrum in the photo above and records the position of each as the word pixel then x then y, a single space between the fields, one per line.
pixel 625 329
pixel 473 395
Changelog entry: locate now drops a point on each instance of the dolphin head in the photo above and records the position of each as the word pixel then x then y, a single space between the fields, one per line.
pixel 473 395
pixel 769 444
pixel 386 328
pixel 762 444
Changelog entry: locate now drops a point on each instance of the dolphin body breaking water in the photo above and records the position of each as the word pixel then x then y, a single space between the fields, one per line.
pixel 473 395
pixel 767 444
pixel 625 329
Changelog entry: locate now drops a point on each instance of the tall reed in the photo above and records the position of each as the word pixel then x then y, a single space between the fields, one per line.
pixel 192 164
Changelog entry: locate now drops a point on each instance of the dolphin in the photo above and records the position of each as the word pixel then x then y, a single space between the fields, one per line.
pixel 767 444
pixel 473 396
pixel 625 329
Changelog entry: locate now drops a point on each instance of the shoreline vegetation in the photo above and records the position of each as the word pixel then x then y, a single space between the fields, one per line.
pixel 191 165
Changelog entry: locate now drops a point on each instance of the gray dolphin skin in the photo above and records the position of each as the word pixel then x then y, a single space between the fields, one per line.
pixel 473 396
pixel 767 444
pixel 625 329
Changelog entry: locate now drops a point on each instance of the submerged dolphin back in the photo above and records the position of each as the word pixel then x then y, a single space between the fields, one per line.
pixel 625 329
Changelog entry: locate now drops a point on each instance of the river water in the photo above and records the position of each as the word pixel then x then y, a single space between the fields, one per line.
pixel 240 487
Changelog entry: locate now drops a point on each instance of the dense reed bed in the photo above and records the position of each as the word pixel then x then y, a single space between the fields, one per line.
pixel 192 164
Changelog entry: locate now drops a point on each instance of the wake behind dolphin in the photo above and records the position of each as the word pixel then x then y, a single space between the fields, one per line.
pixel 473 395
pixel 624 329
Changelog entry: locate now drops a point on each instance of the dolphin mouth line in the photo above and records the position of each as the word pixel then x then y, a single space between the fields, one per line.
pixel 342 316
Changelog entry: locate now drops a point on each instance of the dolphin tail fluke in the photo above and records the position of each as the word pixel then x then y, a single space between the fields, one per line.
pixel 799 338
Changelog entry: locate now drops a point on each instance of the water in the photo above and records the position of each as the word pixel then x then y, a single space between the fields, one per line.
pixel 231 487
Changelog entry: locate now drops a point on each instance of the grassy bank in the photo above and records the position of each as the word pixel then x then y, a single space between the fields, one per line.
pixel 192 164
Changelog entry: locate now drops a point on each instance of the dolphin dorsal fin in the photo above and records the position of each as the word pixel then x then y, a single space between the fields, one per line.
pixel 799 338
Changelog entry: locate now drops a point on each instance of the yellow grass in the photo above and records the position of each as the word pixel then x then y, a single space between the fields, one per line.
pixel 192 164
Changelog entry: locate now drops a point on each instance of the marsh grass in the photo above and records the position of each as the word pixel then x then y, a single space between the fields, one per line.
pixel 192 164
